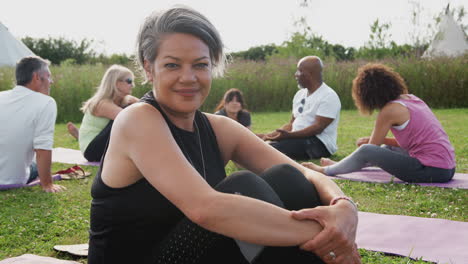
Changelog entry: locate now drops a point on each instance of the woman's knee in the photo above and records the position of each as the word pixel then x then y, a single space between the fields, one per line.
pixel 249 184
pixel 278 172
pixel 292 187
pixel 368 148
pixel 367 151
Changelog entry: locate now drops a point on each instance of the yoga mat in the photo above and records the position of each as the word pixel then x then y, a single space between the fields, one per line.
pixel 34 259
pixel 431 239
pixel 56 177
pixel 71 156
pixel 373 174
pixel 80 250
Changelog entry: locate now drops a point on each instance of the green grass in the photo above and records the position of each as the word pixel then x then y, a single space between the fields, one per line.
pixel 33 221
pixel 269 85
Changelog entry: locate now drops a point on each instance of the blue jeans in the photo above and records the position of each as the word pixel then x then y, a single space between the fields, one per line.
pixel 33 173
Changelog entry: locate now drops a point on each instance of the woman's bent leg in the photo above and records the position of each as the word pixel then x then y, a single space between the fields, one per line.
pixel 296 192
pixel 397 163
pixel 292 187
pixel 97 146
pixel 190 243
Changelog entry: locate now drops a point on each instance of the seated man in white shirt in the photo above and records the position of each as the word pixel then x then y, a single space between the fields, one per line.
pixel 28 116
pixel 312 131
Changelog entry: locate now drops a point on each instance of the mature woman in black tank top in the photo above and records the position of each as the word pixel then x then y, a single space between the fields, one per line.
pixel 162 195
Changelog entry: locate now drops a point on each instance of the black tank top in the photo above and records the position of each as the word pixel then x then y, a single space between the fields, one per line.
pixel 128 223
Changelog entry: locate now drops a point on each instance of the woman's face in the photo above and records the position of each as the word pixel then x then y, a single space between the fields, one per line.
pixel 125 86
pixel 181 73
pixel 234 106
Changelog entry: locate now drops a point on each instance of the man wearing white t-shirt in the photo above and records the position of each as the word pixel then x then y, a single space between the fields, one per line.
pixel 312 131
pixel 28 118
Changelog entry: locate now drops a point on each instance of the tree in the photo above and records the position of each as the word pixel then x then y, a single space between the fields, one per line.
pixel 60 49
pixel 379 36
pixel 258 53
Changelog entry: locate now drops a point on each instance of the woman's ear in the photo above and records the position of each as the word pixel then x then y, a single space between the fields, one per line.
pixel 148 70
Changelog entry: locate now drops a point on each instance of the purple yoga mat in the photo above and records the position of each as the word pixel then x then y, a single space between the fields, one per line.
pixel 373 174
pixel 56 177
pixel 431 239
pixel 71 156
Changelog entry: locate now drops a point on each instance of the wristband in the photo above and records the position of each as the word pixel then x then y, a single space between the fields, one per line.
pixel 336 199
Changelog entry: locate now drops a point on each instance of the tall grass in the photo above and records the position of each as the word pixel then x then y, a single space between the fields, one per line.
pixel 269 86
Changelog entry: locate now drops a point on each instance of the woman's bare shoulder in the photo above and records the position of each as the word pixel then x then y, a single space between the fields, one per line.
pixel 221 123
pixel 394 113
pixel 139 117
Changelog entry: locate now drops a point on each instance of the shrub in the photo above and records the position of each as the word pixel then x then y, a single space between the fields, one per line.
pixel 270 85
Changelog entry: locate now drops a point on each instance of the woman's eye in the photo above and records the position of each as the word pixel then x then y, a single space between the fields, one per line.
pixel 201 65
pixel 171 65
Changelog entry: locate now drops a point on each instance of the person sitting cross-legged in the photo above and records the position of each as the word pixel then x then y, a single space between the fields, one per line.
pixel 312 131
pixel 421 150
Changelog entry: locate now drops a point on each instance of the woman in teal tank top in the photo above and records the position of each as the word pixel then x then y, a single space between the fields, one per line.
pixel 112 95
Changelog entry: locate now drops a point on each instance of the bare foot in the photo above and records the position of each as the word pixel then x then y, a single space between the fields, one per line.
pixel 72 130
pixel 326 162
pixel 313 166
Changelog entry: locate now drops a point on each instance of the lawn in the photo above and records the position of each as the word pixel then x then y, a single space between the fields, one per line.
pixel 33 221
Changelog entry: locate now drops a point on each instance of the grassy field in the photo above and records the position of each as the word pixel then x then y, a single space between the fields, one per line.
pixel 270 85
pixel 33 221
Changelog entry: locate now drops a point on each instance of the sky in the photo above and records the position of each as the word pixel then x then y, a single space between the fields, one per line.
pixel 113 25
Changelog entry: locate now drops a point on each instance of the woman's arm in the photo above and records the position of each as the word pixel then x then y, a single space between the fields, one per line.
pixel 387 141
pixel 243 147
pixel 107 109
pixel 139 135
pixel 128 100
pixel 255 155
pixel 392 114
pixel 339 221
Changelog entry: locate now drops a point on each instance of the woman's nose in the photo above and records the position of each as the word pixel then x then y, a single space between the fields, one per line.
pixel 188 75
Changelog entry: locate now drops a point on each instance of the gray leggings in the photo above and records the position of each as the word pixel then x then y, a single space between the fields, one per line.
pixel 393 160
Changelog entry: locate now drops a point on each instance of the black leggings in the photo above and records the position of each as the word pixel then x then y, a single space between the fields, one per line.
pixel 393 160
pixel 302 148
pixel 282 185
pixel 97 146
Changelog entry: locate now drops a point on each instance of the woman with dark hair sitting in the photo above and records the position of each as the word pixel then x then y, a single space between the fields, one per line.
pixel 421 150
pixel 233 106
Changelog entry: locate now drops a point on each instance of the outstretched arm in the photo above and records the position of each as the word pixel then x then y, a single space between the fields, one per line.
pixel 316 128
pixel 387 141
pixel 391 114
pixel 274 135
pixel 44 161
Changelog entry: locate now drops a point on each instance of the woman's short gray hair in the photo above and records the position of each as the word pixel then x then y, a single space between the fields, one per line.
pixel 179 19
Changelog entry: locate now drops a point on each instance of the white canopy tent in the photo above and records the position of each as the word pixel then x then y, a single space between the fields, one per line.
pixel 449 41
pixel 11 49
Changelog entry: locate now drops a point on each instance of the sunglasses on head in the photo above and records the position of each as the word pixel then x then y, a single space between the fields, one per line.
pixel 301 108
pixel 128 80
